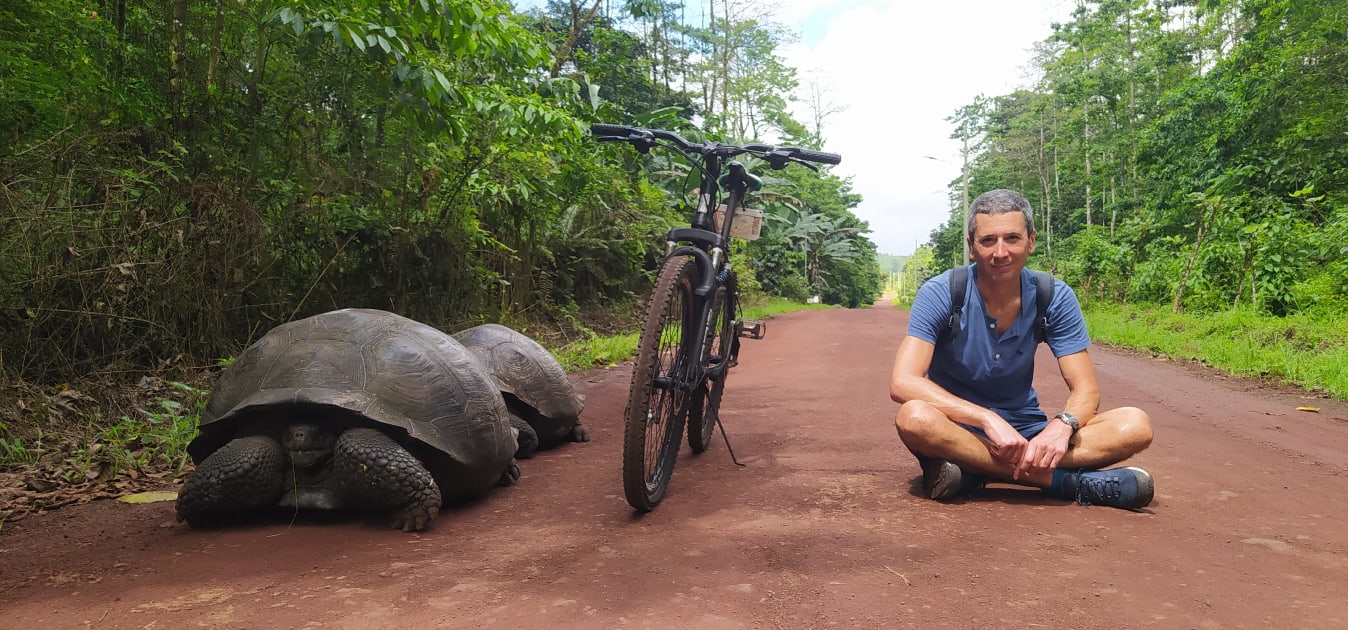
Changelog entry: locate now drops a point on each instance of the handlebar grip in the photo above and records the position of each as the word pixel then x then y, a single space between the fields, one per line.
pixel 819 157
pixel 620 131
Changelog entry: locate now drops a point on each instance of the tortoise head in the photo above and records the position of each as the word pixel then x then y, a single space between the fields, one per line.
pixel 309 443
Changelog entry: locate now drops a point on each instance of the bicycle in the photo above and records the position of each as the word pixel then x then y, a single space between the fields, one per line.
pixel 693 310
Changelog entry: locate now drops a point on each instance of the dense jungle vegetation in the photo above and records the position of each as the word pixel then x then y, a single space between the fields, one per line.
pixel 1188 163
pixel 178 177
pixel 1192 154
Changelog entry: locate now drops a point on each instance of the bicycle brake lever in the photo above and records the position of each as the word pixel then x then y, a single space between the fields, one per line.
pixel 806 164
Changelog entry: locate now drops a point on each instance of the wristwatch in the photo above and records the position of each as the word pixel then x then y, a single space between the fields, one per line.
pixel 1070 419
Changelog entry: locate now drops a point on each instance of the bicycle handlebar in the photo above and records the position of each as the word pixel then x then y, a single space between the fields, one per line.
pixel 773 154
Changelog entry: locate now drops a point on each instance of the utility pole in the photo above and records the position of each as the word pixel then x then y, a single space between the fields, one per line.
pixel 964 190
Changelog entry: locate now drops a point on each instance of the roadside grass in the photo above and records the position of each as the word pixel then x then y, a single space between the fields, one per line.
pixel 1301 350
pixel 154 439
pixel 14 451
pixel 596 351
pixel 607 351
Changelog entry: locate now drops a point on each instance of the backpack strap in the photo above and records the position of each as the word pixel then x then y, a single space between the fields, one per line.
pixel 959 285
pixel 1043 296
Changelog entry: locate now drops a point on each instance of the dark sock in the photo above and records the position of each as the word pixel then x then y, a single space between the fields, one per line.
pixel 1059 478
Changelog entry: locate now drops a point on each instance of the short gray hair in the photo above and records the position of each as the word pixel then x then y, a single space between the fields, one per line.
pixel 1000 201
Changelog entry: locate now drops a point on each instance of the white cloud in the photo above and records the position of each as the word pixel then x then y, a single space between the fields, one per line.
pixel 901 68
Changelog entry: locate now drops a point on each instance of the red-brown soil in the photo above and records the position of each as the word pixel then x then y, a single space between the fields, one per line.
pixel 819 529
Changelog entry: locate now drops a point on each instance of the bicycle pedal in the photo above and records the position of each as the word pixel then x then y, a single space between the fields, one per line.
pixel 751 328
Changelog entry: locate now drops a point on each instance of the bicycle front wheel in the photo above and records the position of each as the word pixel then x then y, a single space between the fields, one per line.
pixel 718 355
pixel 657 402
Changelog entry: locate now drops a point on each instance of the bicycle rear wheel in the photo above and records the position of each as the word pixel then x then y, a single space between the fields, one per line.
pixel 656 403
pixel 720 351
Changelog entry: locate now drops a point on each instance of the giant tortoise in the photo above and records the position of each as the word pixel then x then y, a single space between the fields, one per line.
pixel 352 409
pixel 543 406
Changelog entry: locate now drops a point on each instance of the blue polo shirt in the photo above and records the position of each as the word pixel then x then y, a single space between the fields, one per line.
pixel 977 364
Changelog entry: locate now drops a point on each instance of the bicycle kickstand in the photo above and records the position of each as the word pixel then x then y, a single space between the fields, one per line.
pixel 727 441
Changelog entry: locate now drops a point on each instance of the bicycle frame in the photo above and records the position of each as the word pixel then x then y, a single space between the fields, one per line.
pixel 710 250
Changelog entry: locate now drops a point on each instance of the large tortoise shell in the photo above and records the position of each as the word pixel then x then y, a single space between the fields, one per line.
pixel 527 371
pixel 424 388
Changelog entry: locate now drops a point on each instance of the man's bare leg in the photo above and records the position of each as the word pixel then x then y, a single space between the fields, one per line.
pixel 1106 439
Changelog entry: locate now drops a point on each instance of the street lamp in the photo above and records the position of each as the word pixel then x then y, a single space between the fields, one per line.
pixel 964 194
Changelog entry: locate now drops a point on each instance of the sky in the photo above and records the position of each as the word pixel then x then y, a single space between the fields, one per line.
pixel 900 68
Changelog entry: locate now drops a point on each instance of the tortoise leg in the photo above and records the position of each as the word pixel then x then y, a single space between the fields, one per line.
pixel 243 475
pixel 377 472
pixel 510 476
pixel 526 438
pixel 579 433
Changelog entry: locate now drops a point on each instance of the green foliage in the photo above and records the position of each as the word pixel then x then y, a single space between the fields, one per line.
pixel 890 263
pixel 919 268
pixel 13 450
pixel 812 244
pixel 1095 265
pixel 152 440
pixel 159 439
pixel 184 176
pixel 1307 351
pixel 597 351
pixel 1181 155
pixel 772 307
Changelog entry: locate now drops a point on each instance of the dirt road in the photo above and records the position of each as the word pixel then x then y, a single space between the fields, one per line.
pixel 819 529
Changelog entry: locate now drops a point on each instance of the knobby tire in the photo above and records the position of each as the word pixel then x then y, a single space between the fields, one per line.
pixel 656 409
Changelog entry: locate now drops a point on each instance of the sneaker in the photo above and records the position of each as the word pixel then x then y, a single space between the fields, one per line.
pixel 941 479
pixel 1129 487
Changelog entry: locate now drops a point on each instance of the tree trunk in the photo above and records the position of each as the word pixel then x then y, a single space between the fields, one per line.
pixel 178 63
pixel 213 63
pixel 724 63
pixel 1045 192
pixel 1086 146
pixel 709 80
pixel 579 23
pixel 1198 244
pixel 1113 206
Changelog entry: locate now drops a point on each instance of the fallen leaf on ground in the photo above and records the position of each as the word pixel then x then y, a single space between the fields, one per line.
pixel 150 497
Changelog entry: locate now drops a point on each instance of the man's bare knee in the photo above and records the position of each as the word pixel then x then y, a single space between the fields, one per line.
pixel 918 420
pixel 1133 426
pixel 1138 428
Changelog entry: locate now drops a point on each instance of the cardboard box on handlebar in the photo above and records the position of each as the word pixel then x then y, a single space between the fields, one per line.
pixel 748 222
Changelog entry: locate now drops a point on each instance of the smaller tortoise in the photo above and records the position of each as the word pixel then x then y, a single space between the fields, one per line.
pixel 543 406
pixel 352 409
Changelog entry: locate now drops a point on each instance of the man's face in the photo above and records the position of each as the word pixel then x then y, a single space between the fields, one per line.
pixel 1001 245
